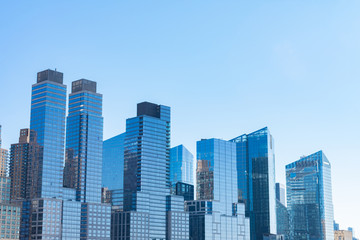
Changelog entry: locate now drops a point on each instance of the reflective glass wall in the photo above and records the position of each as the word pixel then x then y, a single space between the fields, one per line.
pixel 309 198
pixel 113 162
pixel 147 165
pixel 181 165
pixel 256 180
pixel 83 166
pixel 48 105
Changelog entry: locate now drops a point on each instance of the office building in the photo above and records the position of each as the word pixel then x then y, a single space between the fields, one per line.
pixel 309 198
pixel 343 235
pixel 4 159
pixel 65 203
pixel 146 195
pixel 48 104
pixel 256 181
pixel 84 131
pixel 113 163
pixel 282 220
pixel 181 165
pixel 185 190
pixel 10 213
pixel 83 162
pixel 336 226
pixel 216 214
pixel 280 193
pixel 18 167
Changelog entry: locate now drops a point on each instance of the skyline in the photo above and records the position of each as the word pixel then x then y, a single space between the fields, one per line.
pixel 306 114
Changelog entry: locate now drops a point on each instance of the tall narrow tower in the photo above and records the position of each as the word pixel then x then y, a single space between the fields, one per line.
pixel 309 198
pixel 84 135
pixel 146 169
pixel 256 180
pixel 48 104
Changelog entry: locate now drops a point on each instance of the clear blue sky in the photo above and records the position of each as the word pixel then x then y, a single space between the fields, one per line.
pixel 225 67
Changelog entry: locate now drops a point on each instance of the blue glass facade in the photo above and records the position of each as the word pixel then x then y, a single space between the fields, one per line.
pixel 83 166
pixel 113 162
pixel 181 165
pixel 146 168
pixel 280 193
pixel 216 214
pixel 256 181
pixel 65 202
pixel 309 198
pixel 282 220
pixel 48 104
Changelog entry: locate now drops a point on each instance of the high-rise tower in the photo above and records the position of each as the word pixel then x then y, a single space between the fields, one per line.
pixel 256 181
pixel 84 133
pixel 48 104
pixel 19 163
pixel 146 169
pixel 181 165
pixel 216 214
pixel 309 198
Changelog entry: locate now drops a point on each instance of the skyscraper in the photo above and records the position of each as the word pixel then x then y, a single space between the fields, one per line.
pixel 53 211
pixel 113 162
pixel 84 131
pixel 256 180
pixel 181 165
pixel 149 211
pixel 48 104
pixel 216 214
pixel 19 161
pixel 309 198
pixel 83 162
pixel 146 169
pixel 282 220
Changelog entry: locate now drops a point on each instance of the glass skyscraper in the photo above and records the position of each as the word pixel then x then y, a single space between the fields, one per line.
pixel 113 163
pixel 309 198
pixel 148 211
pixel 216 214
pixel 181 165
pixel 83 166
pixel 48 105
pixel 65 202
pixel 146 169
pixel 256 181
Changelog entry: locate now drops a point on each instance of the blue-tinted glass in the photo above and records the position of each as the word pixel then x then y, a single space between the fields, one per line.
pixel 256 181
pixel 309 198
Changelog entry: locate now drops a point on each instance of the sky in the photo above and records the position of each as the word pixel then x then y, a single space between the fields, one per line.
pixel 224 67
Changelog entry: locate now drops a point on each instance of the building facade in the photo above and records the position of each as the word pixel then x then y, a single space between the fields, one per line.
pixel 148 208
pixel 4 159
pixel 282 219
pixel 280 193
pixel 216 214
pixel 10 213
pixel 64 202
pixel 181 165
pixel 343 235
pixel 185 190
pixel 18 167
pixel 48 105
pixel 84 131
pixel 309 198
pixel 113 162
pixel 256 181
